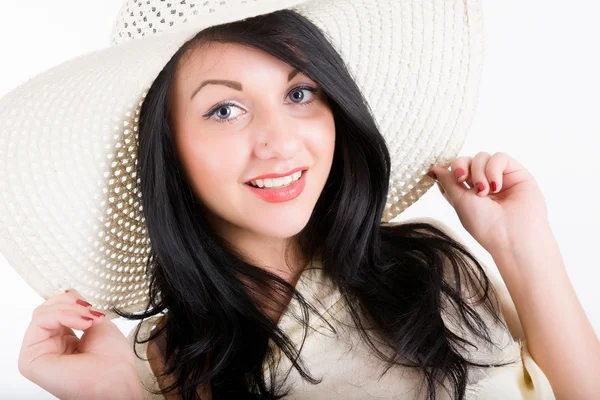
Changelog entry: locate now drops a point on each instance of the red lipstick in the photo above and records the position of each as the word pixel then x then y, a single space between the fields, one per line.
pixel 284 194
pixel 277 175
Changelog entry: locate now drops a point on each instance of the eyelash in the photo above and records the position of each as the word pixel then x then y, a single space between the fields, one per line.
pixel 230 104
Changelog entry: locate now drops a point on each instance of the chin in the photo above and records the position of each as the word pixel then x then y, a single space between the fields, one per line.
pixel 282 228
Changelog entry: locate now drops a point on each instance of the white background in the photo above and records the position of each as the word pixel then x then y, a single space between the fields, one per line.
pixel 539 103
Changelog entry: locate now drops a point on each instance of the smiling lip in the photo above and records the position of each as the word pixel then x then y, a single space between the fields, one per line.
pixel 277 175
pixel 284 194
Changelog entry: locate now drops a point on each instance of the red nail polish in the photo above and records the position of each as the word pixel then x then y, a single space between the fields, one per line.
pixel 87 318
pixel 480 187
pixel 96 313
pixel 493 186
pixel 83 303
pixel 459 172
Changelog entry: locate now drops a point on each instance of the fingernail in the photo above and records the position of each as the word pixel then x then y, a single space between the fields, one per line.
pixel 96 313
pixel 480 187
pixel 83 303
pixel 493 186
pixel 459 172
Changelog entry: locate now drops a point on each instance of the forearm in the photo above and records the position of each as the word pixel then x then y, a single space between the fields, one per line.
pixel 559 335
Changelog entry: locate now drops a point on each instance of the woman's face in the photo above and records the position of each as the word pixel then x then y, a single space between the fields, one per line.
pixel 221 130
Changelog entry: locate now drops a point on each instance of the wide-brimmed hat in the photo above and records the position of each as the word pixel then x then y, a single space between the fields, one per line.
pixel 71 213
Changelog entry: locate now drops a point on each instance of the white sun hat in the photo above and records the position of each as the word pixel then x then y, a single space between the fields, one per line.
pixel 71 212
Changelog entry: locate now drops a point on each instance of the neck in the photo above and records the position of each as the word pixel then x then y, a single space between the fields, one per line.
pixel 280 256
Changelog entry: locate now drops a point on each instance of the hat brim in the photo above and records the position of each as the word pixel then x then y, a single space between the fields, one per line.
pixel 71 212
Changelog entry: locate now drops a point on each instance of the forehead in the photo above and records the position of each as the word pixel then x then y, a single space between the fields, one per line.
pixel 220 59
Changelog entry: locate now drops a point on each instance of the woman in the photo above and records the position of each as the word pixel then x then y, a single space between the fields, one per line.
pixel 290 284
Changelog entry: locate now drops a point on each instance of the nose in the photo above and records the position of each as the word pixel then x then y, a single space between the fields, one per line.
pixel 278 137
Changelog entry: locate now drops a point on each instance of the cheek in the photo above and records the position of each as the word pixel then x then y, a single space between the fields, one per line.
pixel 213 163
pixel 322 135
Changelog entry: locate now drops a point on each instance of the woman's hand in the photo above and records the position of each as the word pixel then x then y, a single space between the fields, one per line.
pixel 100 365
pixel 502 203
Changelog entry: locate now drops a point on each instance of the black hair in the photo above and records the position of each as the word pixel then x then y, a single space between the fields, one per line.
pixel 392 276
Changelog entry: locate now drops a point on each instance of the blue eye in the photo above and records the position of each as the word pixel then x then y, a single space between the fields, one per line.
pixel 223 111
pixel 300 89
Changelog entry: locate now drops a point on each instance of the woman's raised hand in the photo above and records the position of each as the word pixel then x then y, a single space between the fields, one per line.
pixel 100 365
pixel 502 203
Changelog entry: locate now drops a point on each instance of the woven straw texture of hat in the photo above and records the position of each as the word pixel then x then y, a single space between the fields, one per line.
pixel 71 210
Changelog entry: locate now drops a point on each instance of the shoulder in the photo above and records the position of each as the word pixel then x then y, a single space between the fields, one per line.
pixel 145 355
pixel 156 359
pixel 155 366
pixel 508 309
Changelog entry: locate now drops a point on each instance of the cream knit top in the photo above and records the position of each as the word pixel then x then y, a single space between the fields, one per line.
pixel 349 370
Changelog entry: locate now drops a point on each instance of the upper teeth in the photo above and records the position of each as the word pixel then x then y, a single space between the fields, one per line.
pixel 277 182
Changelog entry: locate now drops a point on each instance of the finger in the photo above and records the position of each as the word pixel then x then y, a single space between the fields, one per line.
pixel 52 320
pixel 495 169
pixel 67 331
pixel 59 344
pixel 38 339
pixel 83 310
pixel 461 166
pixel 453 189
pixel 71 296
pixel 478 167
pixel 72 293
pixel 66 297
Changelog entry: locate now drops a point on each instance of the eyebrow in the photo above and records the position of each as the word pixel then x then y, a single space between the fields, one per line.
pixel 233 84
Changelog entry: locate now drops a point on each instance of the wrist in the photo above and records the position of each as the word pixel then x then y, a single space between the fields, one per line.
pixel 533 256
pixel 528 245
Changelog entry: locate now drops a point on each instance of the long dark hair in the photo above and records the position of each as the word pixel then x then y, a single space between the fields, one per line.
pixel 392 276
